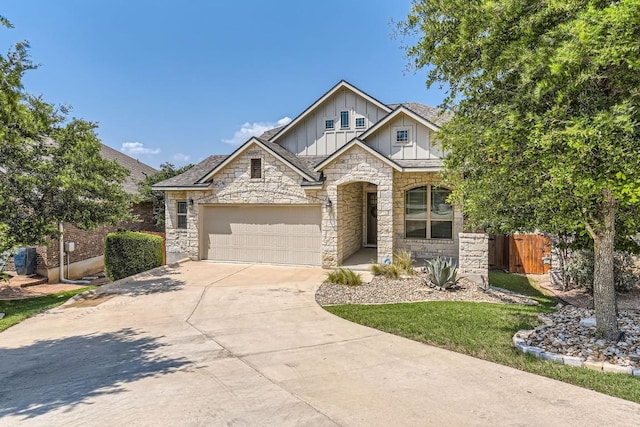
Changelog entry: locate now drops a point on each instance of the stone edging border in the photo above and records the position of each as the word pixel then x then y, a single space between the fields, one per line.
pixel 520 343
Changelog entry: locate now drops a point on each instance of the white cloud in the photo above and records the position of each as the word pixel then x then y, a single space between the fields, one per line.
pixel 248 130
pixel 137 148
pixel 181 158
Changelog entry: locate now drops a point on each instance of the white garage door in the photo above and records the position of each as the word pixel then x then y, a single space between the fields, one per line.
pixel 264 234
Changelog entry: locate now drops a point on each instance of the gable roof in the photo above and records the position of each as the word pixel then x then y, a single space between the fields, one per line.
pixel 434 115
pixel 401 109
pixel 365 147
pixel 281 153
pixel 192 175
pixel 342 84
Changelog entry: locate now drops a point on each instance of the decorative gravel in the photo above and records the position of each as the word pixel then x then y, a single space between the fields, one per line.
pixel 563 334
pixel 384 291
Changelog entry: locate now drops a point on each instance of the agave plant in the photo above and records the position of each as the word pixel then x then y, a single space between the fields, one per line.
pixel 441 273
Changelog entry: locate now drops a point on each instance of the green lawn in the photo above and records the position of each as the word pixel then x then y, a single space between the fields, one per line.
pixel 15 311
pixel 485 331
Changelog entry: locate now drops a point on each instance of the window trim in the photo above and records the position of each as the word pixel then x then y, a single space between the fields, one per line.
pixel 179 214
pixel 428 220
pixel 256 173
pixel 345 114
pixel 333 123
pixel 364 122
pixel 394 135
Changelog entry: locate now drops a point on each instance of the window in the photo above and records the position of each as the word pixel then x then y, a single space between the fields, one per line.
pixel 360 124
pixel 344 119
pixel 427 214
pixel 402 136
pixel 256 168
pixel 329 124
pixel 182 215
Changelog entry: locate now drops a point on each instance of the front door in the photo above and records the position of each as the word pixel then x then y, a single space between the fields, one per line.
pixel 372 219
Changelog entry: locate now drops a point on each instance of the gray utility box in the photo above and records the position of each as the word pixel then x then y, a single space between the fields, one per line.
pixel 24 261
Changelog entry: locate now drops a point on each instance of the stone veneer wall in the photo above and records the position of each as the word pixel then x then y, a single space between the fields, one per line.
pixel 279 184
pixel 357 165
pixel 350 213
pixel 421 248
pixel 473 259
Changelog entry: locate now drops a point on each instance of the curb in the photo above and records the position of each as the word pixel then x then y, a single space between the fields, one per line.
pixel 520 343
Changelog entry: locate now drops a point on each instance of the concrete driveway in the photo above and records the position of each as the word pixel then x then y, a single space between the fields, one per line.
pixel 238 345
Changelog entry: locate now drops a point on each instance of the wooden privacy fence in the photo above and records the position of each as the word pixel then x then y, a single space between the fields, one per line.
pixel 520 253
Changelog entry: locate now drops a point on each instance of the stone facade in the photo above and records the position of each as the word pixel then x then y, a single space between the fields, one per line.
pixel 347 180
pixel 473 259
pixel 350 219
pixel 278 185
pixel 357 165
pixel 421 248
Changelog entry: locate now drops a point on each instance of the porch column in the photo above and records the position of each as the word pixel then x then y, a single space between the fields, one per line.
pixel 330 228
pixel 385 221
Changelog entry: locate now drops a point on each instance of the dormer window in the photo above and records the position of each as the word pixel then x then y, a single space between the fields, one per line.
pixel 344 119
pixel 360 123
pixel 329 124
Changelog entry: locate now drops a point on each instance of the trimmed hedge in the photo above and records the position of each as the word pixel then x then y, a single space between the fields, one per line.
pixel 127 253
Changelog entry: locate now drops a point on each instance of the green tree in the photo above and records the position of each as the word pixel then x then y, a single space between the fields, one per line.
pixel 167 170
pixel 545 134
pixel 51 166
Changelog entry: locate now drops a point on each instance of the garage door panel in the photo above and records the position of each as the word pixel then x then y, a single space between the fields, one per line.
pixel 271 234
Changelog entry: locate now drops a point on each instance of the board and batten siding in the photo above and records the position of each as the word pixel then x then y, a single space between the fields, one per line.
pixel 309 137
pixel 420 146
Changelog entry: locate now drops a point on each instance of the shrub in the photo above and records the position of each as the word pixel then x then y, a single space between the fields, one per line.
pixel 441 273
pixel 127 253
pixel 387 270
pixel 403 262
pixel 402 265
pixel 344 276
pixel 581 264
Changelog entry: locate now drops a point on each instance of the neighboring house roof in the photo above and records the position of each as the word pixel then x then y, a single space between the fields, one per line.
pixel 137 170
pixel 193 175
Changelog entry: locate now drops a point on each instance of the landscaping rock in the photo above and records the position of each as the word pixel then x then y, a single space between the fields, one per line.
pixel 567 332
pixel 588 322
pixel 382 291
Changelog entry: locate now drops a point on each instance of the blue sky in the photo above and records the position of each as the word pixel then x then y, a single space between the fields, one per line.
pixel 176 81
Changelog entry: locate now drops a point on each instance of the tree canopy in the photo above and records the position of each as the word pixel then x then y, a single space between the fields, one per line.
pixel 167 170
pixel 50 164
pixel 545 134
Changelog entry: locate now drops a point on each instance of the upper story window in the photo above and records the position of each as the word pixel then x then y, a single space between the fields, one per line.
pixel 182 215
pixel 427 213
pixel 360 123
pixel 256 168
pixel 344 119
pixel 329 124
pixel 402 136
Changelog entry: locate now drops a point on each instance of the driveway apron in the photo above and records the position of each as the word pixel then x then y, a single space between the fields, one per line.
pixel 242 345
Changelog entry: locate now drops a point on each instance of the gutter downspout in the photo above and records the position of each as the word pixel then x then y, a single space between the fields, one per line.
pixel 61 260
